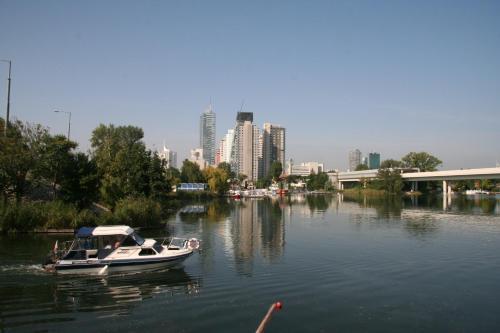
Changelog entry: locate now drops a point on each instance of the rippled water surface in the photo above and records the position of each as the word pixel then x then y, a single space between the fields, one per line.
pixel 337 264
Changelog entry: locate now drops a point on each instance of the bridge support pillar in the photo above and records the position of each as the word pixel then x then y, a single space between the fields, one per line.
pixel 446 187
pixel 414 186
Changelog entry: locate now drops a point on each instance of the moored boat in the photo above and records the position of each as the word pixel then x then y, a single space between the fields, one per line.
pixel 476 192
pixel 109 249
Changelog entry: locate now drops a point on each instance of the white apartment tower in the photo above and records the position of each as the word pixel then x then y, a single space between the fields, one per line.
pixel 354 159
pixel 245 150
pixel 169 156
pixel 207 135
pixel 227 146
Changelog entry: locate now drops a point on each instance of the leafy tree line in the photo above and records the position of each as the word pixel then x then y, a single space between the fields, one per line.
pixel 389 177
pixel 42 166
pixel 119 173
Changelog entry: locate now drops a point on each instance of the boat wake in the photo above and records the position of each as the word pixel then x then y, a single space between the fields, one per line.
pixel 23 268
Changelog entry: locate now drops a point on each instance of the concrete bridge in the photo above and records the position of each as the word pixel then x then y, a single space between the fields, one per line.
pixel 413 175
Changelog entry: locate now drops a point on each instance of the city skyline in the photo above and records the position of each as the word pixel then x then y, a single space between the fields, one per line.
pixel 386 77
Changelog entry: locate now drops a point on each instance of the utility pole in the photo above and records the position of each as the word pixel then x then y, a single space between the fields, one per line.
pixel 69 120
pixel 8 96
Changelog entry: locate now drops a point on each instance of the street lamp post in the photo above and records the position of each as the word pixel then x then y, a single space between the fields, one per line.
pixel 69 120
pixel 8 96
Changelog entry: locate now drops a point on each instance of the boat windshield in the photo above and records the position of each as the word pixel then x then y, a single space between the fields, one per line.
pixel 138 239
pixel 85 243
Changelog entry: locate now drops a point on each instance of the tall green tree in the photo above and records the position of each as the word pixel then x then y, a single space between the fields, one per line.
pixel 20 153
pixel 191 173
pixel 56 160
pixel 173 176
pixel 80 184
pixel 389 181
pixel 361 167
pixel 217 179
pixel 122 162
pixel 391 164
pixel 422 160
pixel 159 185
pixel 317 181
pixel 275 170
pixel 227 167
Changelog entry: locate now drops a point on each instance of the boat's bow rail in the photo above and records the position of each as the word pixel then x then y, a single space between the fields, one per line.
pixel 176 243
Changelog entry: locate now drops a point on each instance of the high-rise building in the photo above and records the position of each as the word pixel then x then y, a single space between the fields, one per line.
pixel 273 147
pixel 241 117
pixel 228 146
pixel 354 159
pixel 207 135
pixel 374 161
pixel 245 149
pixel 218 154
pixel 169 156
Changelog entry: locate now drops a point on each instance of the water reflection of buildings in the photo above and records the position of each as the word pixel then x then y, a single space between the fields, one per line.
pixel 258 226
pixel 272 227
pixel 250 229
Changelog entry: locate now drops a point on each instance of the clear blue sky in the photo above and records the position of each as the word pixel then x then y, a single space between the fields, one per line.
pixel 385 76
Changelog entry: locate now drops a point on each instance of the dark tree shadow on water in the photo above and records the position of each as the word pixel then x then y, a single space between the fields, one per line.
pixel 318 203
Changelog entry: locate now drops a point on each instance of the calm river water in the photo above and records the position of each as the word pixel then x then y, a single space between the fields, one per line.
pixel 337 265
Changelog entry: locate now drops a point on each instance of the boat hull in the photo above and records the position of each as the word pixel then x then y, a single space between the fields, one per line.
pixel 101 267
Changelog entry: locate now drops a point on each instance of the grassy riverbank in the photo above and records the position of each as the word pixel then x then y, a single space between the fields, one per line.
pixel 56 215
pixel 356 192
pixel 360 192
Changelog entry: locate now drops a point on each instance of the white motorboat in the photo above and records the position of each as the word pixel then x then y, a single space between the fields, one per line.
pixel 476 192
pixel 109 249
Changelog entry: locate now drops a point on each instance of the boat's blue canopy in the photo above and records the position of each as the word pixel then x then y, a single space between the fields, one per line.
pixel 85 232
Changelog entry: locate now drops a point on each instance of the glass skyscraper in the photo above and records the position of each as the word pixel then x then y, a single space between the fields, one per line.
pixel 207 135
pixel 374 161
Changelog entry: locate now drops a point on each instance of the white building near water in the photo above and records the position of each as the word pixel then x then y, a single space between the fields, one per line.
pixel 245 151
pixel 226 146
pixel 197 157
pixel 169 156
pixel 305 169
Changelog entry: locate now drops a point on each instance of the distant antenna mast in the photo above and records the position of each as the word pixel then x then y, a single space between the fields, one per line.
pixel 242 103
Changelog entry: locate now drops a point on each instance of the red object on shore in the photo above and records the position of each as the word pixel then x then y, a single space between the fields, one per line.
pixel 275 306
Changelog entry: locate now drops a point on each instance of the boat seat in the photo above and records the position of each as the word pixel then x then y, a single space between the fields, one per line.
pixel 75 255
